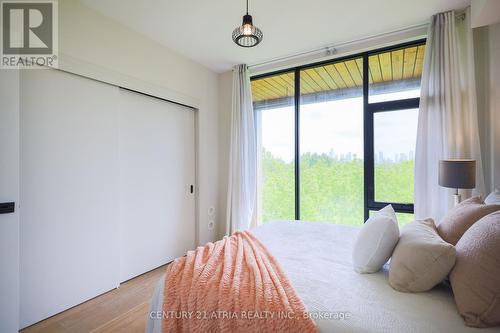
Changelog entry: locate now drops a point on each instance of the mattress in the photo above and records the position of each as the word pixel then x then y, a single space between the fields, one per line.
pixel 316 257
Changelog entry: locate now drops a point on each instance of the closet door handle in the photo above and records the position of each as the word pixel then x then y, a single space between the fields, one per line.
pixel 7 207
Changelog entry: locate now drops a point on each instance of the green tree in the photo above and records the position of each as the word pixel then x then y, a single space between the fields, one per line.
pixel 331 190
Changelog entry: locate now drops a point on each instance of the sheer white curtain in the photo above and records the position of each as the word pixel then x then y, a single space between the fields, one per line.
pixel 448 121
pixel 242 189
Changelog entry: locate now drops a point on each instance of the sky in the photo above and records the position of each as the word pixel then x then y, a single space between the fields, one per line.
pixel 337 126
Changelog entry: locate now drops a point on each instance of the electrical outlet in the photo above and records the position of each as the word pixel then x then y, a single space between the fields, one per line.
pixel 211 224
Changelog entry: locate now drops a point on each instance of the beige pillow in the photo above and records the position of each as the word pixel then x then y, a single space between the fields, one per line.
pixel 475 279
pixel 421 258
pixel 461 217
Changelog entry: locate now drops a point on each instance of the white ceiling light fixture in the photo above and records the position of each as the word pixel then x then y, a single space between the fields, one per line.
pixel 247 35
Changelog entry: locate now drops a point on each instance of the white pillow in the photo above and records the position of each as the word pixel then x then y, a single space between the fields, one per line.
pixel 376 241
pixel 493 198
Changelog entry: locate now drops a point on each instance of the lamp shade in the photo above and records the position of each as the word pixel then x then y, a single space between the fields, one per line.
pixel 457 173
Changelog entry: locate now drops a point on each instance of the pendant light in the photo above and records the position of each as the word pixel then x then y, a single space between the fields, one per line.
pixel 247 35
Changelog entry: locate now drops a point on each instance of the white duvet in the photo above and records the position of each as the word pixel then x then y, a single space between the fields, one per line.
pixel 316 257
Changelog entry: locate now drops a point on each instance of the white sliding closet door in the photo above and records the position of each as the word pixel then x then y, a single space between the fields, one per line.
pixel 69 149
pixel 157 169
pixel 105 188
pixel 9 192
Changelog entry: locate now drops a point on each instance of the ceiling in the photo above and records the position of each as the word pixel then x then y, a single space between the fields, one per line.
pixel 201 29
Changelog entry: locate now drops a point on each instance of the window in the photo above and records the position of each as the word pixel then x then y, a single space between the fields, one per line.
pixel 394 133
pixel 395 74
pixel 273 99
pixel 331 143
pixel 391 116
pixel 337 139
pixel 403 218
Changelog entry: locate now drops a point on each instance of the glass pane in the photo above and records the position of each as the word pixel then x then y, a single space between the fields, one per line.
pixel 395 74
pixel 331 143
pixel 274 110
pixel 403 218
pixel 395 135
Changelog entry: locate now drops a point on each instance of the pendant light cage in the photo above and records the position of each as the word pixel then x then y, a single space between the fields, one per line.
pixel 247 35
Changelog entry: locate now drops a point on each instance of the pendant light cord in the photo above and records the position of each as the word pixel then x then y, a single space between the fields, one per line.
pixel 247 7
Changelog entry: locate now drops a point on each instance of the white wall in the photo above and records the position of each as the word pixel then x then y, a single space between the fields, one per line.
pixel 484 12
pixel 9 191
pixel 92 44
pixel 487 57
pixel 494 40
pixel 481 58
pixel 225 101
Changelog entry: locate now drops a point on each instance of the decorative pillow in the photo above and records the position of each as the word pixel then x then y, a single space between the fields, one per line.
pixel 475 279
pixel 421 259
pixel 375 241
pixel 493 198
pixel 462 216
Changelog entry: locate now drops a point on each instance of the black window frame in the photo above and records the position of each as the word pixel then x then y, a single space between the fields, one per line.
pixel 369 110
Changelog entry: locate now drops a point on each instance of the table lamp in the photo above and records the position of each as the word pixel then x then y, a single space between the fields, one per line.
pixel 457 174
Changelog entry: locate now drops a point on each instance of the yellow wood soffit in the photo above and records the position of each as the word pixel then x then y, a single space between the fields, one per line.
pixel 395 65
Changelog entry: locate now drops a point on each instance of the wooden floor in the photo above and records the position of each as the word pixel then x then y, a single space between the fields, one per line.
pixel 121 310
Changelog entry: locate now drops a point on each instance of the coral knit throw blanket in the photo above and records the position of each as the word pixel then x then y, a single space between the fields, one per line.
pixel 233 285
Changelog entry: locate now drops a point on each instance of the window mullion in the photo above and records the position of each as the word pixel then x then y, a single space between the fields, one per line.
pixel 399 104
pixel 368 141
pixel 297 142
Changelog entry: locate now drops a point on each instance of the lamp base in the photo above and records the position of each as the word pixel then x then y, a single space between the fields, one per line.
pixel 456 199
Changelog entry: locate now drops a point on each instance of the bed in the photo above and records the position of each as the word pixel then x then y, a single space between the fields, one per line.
pixel 316 257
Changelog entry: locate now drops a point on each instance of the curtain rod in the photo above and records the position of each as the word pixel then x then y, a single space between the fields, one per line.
pixel 331 49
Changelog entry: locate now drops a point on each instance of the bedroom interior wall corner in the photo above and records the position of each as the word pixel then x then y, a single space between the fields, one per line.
pixel 209 161
pixel 225 101
pixel 100 42
pixel 494 52
pixel 481 57
pixel 487 51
